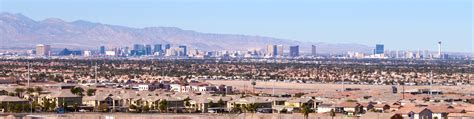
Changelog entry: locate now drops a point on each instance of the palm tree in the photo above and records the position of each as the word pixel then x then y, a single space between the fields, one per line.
pixel 39 90
pixel 187 104
pixel 253 86
pixel 75 107
pixel 332 113
pixel 30 90
pixel 306 110
pixel 19 91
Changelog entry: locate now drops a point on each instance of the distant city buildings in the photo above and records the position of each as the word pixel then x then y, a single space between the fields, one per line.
pixel 67 52
pixel 43 50
pixel 379 49
pixel 183 50
pixel 167 46
pixel 148 50
pixel 268 51
pixel 272 50
pixel 294 51
pixel 102 50
pixel 313 50
pixel 280 50
pixel 158 48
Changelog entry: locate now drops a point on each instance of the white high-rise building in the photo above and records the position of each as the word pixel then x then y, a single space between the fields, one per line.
pixel 43 50
pixel 87 53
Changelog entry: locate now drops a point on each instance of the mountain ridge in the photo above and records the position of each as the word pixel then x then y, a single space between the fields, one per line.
pixel 18 30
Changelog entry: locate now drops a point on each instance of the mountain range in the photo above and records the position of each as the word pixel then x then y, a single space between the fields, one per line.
pixel 19 31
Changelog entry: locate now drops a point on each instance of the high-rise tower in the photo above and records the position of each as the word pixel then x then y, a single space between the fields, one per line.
pixel 439 49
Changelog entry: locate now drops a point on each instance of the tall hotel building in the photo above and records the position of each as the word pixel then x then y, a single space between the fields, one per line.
pixel 43 50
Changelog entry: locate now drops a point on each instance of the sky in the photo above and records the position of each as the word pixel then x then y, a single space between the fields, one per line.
pixel 398 24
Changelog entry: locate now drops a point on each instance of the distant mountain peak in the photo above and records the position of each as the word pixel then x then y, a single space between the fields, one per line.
pixel 21 31
pixel 54 21
pixel 14 17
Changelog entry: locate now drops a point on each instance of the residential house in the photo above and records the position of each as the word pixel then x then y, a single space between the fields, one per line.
pixel 62 98
pixel 259 102
pixel 381 107
pixel 112 101
pixel 349 108
pixel 148 87
pixel 412 112
pixel 325 108
pixel 296 104
pixel 6 101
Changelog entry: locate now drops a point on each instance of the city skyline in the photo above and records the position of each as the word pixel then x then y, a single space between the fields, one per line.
pixel 419 30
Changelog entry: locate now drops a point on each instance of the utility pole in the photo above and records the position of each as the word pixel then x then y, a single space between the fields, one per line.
pixel 431 83
pixel 95 75
pixel 342 71
pixel 273 88
pixel 245 89
pixel 29 76
pixel 403 90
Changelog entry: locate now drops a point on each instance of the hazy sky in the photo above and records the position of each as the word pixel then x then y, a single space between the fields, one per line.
pixel 399 24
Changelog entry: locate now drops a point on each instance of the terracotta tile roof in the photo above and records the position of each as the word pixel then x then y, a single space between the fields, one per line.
pixel 348 104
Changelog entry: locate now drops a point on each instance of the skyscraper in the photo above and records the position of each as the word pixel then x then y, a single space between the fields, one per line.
pixel 184 50
pixel 167 46
pixel 439 50
pixel 272 50
pixel 43 50
pixel 313 50
pixel 148 49
pixel 280 50
pixel 158 48
pixel 138 50
pixel 379 49
pixel 294 51
pixel 102 50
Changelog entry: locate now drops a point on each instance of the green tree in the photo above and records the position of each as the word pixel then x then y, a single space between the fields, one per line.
pixel 10 107
pixel 75 107
pixel 103 107
pixel 251 108
pixel 91 92
pixel 48 106
pixel 236 109
pixel 30 90
pixel 186 102
pixel 77 91
pixel 39 90
pixel 306 110
pixel 211 104
pixel 132 107
pixel 220 103
pixel 332 113
pixel 19 91
pixel 163 105
pixel 3 92
pixel 145 108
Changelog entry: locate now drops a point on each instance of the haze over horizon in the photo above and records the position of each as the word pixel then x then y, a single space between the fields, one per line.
pixel 400 25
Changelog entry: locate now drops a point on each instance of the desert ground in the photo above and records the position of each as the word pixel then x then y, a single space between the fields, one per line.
pixel 382 92
pixel 311 87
